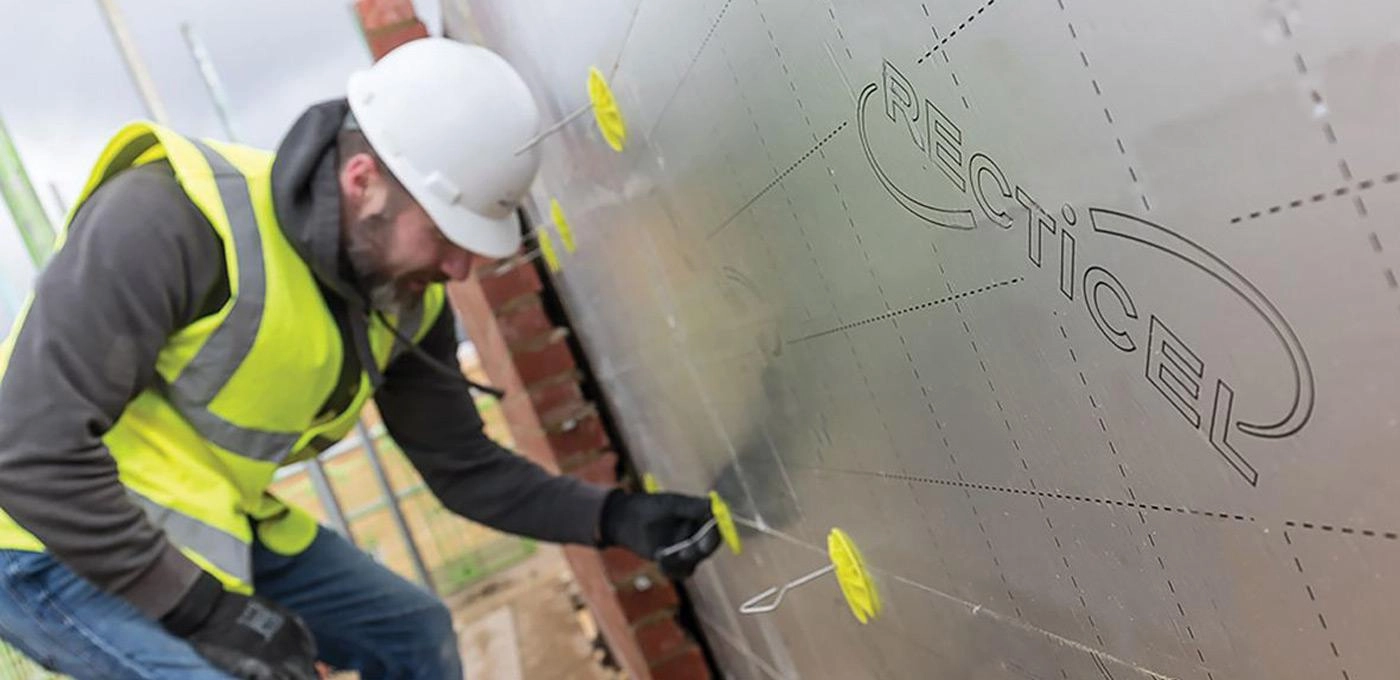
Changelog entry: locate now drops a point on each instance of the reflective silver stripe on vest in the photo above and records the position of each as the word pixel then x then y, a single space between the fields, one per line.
pixel 129 154
pixel 229 344
pixel 220 548
pixel 257 444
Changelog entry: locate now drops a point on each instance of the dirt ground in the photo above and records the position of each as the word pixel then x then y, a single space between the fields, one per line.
pixel 527 623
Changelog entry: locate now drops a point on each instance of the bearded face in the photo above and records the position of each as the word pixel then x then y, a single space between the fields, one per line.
pixel 367 247
pixel 394 248
pixel 397 252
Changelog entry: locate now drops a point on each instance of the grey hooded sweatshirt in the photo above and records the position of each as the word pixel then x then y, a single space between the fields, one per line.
pixel 141 262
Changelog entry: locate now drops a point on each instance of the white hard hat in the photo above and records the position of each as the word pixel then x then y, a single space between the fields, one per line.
pixel 447 119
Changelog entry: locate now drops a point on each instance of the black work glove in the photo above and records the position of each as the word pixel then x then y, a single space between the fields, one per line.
pixel 661 527
pixel 250 638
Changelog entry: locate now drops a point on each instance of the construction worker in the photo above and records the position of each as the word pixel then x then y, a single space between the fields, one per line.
pixel 214 312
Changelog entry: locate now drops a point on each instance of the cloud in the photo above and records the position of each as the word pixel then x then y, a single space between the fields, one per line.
pixel 274 57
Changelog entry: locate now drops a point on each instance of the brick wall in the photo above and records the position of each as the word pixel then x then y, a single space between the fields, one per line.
pixel 554 424
pixel 528 354
pixel 388 24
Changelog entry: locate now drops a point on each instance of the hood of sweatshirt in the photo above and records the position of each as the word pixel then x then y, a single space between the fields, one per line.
pixel 306 192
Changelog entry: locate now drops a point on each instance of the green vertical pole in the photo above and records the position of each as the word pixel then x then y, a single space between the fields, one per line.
pixel 23 202
pixel 37 232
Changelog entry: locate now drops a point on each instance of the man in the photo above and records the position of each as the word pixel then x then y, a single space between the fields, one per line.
pixel 214 312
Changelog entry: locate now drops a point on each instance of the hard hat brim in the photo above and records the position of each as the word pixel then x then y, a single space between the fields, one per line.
pixel 494 238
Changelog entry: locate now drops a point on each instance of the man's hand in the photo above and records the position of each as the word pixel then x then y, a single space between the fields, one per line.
pixel 664 527
pixel 250 638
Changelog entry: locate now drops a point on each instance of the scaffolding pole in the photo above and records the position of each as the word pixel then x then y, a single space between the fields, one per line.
pixel 212 83
pixel 391 500
pixel 325 493
pixel 23 202
pixel 150 99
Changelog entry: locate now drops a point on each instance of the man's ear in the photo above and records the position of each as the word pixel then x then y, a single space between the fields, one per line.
pixel 361 185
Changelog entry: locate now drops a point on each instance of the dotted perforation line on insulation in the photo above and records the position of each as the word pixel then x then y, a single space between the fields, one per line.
pixel 953 73
pixel 865 254
pixel 1323 114
pixel 1107 114
pixel 661 115
pixel 1369 533
pixel 912 308
pixel 1343 166
pixel 1312 597
pixel 1026 468
pixel 1104 502
pixel 971 17
pixel 1364 185
pixel 1127 485
pixel 777 180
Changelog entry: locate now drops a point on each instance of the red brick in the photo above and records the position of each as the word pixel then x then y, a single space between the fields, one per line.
pixel 383 42
pixel 410 27
pixel 557 397
pixel 660 639
pixel 519 280
pixel 622 565
pixel 601 470
pixel 688 665
pixel 571 459
pixel 587 437
pixel 380 13
pixel 549 361
pixel 524 322
pixel 639 603
pixel 566 416
pixel 593 583
pixel 573 420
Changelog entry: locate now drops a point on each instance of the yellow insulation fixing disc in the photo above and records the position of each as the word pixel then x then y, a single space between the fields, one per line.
pixel 851 573
pixel 551 256
pixel 566 233
pixel 605 110
pixel 725 521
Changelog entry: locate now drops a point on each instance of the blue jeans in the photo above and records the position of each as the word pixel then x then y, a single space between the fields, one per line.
pixel 364 617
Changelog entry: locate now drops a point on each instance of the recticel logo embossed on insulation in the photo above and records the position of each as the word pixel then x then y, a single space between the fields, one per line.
pixel 1166 347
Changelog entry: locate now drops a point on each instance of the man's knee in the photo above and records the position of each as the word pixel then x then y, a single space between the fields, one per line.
pixel 437 621
pixel 438 639
pixel 417 643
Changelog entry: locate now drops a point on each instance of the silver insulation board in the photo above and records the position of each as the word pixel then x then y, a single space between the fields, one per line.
pixel 1079 316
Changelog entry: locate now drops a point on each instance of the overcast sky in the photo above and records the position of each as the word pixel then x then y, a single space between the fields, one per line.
pixel 64 89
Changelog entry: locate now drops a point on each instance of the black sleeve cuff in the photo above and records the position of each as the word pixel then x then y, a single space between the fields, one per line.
pixel 607 518
pixel 195 607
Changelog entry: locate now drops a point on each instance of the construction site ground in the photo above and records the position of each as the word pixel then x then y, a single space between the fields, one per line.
pixel 527 623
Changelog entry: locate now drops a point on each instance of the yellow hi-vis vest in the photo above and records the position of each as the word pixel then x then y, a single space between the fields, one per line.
pixel 238 393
